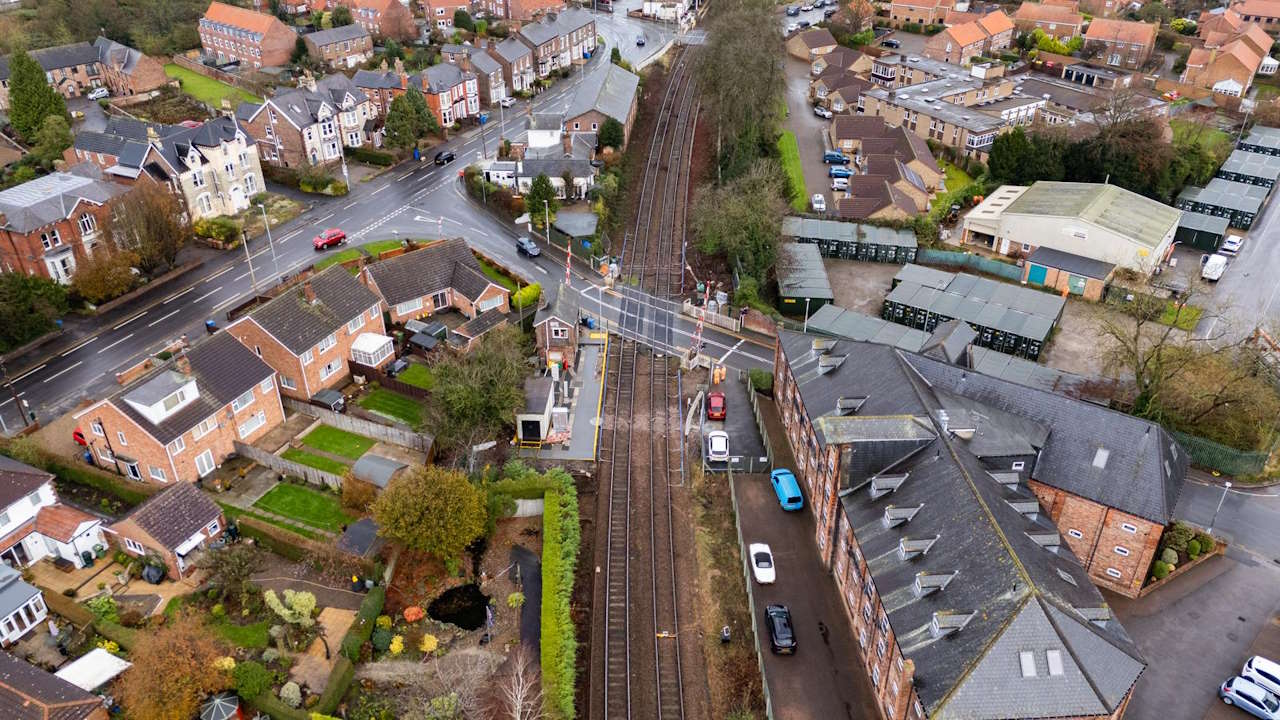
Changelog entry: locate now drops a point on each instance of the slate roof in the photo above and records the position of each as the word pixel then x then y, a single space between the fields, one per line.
pixel 868 195
pixel 562 306
pixel 339 34
pixel 553 25
pixel 816 38
pixel 426 271
pixel 610 92
pixel 175 514
pixel 57 57
pixel 512 50
pixel 29 693
pixel 298 324
pixel 18 480
pixel 484 62
pixel 129 141
pixel 51 198
pixel 378 79
pixel 440 78
pixel 121 57
pixel 801 273
pixel 1072 263
pixel 554 167
pixel 481 324
pixel 902 144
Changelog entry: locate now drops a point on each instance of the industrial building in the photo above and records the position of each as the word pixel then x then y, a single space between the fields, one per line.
pixel 1240 203
pixel 842 322
pixel 1200 231
pixel 1261 139
pixel 1065 272
pixel 852 241
pixel 1251 167
pixel 802 279
pixel 1007 318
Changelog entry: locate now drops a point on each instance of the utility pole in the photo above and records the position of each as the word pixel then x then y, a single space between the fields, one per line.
pixel 4 374
pixel 244 239
pixel 267 224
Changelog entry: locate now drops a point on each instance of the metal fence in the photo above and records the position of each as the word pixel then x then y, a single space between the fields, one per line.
pixel 970 261
pixel 289 467
pixel 751 599
pixel 378 431
pixel 1216 456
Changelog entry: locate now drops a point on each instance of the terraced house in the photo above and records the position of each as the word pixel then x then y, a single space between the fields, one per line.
pixel 966 588
pixel 559 40
pixel 341 47
pixel 310 124
pixel 179 421
pixel 253 39
pixel 75 69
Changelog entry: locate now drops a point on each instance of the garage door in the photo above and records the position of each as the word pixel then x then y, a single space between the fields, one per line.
pixel 1036 274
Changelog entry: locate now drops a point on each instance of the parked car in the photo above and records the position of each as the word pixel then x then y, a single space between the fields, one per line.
pixel 716 409
pixel 329 238
pixel 1212 267
pixel 761 563
pixel 792 27
pixel 782 636
pixel 444 157
pixel 718 446
pixel 639 41
pixel 806 8
pixel 793 10
pixel 890 43
pixel 1263 672
pixel 829 12
pixel 525 246
pixel 840 184
pixel 818 202
pixel 787 489
pixel 507 101
pixel 822 112
pixel 99 93
pixel 804 24
pixel 1250 697
pixel 835 157
pixel 1231 245
pixel 839 171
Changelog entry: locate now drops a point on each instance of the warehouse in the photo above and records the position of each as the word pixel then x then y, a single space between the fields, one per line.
pixel 1067 273
pixel 1200 231
pixel 1007 318
pixel 1092 220
pixel 852 241
pixel 1238 202
pixel 802 279
pixel 1261 139
pixel 1252 168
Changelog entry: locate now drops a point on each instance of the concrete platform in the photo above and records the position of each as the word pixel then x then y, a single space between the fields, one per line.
pixel 584 413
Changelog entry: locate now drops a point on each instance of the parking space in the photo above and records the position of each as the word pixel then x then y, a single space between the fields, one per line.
pixel 810 130
pixel 746 446
pixel 860 286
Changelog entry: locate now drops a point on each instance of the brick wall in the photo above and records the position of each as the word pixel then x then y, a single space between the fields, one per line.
pixel 285 363
pixel 564 348
pixel 148 74
pixel 24 252
pixel 290 151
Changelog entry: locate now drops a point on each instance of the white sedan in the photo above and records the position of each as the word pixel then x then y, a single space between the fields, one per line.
pixel 1231 245
pixel 818 202
pixel 507 101
pixel 718 446
pixel 761 563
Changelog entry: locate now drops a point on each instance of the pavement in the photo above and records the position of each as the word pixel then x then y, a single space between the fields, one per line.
pixel 584 414
pixel 1266 644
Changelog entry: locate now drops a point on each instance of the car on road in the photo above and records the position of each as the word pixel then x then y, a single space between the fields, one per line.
pixel 829 12
pixel 99 93
pixel 1262 672
pixel 718 446
pixel 329 238
pixel 793 27
pixel 525 246
pixel 444 157
pixel 835 157
pixel 890 43
pixel 716 408
pixel 782 636
pixel 507 101
pixel 839 171
pixel 840 184
pixel 761 563
pixel 822 112
pixel 806 8
pixel 1231 245
pixel 1212 267
pixel 639 41
pixel 787 489
pixel 793 10
pixel 1250 697
pixel 818 202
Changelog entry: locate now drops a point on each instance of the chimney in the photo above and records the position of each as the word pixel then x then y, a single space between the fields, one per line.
pixel 383 65
pixel 309 293
pixel 152 135
pixel 308 81
pixel 181 362
pixel 399 66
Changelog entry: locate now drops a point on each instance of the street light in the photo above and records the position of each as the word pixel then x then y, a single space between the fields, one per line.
pixel 1225 487
pixel 267 224
pixel 253 280
pixel 806 314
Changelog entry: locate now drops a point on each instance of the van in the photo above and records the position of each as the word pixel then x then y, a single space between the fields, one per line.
pixel 1212 267
pixel 787 489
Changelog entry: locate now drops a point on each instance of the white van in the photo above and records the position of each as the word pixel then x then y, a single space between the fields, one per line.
pixel 840 184
pixel 1212 267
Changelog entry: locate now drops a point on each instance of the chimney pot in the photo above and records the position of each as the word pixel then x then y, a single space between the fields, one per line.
pixel 309 292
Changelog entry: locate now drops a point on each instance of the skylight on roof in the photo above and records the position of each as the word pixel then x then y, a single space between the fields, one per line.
pixel 1100 458
pixel 1055 662
pixel 1027 660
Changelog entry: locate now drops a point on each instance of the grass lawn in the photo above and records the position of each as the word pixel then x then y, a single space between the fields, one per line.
pixel 1216 141
pixel 1186 320
pixel 338 442
pixel 393 405
pixel 232 512
pixel 254 636
pixel 204 89
pixel 790 150
pixel 955 177
pixel 380 246
pixel 338 257
pixel 496 275
pixel 320 463
pixel 418 375
pixel 305 505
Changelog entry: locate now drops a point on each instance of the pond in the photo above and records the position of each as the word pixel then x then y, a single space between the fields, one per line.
pixel 463 606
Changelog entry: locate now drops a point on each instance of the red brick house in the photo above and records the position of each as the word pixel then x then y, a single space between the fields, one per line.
pixel 384 19
pixel 921 12
pixel 229 33
pixel 27 693
pixel 524 10
pixel 1264 12
pixel 1120 42
pixel 341 47
pixel 1056 21
pixel 174 525
pixel 127 71
pixel 306 333
pixel 75 69
pixel 442 276
pixel 988 35
pixel 555 329
pixel 181 420
pixel 440 13
pixel 452 92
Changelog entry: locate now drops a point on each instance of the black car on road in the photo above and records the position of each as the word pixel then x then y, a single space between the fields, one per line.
pixel 444 157
pixel 782 636
pixel 525 246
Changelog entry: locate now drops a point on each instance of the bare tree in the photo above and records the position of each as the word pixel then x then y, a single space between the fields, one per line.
pixel 518 694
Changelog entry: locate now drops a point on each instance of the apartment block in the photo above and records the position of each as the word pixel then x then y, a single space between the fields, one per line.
pixel 234 34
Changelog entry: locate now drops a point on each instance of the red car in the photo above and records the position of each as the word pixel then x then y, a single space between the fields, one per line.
pixel 329 238
pixel 715 406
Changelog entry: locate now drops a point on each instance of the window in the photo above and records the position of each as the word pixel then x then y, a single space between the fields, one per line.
pixel 204 428
pixel 862 638
pixel 489 304
pixel 356 323
pixel 254 422
pixel 866 611
pixel 1054 657
pixel 120 438
pixel 1122 551
pixel 158 474
pixel 178 445
pixel 884 623
pixel 1075 533
pixel 242 402
pixel 881 646
pixel 88 224
pixel 440 300
pixel 326 343
pixel 134 547
pixel 287 383
pixel 1027 660
pixel 875 676
pixel 97 429
pixel 250 184
pixel 205 203
pixel 405 308
pixel 559 332
pixel 213 528
pixel 174 400
pixel 330 368
pixel 197 179
pixel 1113 572
pixel 1018 465
pixel 1129 527
pixel 50 239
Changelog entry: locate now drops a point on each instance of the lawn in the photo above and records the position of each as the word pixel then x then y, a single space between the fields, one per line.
pixel 418 375
pixel 393 405
pixel 338 257
pixel 255 635
pixel 320 463
pixel 955 177
pixel 1186 320
pixel 232 512
pixel 205 89
pixel 315 508
pixel 339 442
pixel 1217 142
pixel 497 276
pixel 790 150
pixel 380 246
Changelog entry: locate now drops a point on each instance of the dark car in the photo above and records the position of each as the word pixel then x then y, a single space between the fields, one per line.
pixel 525 246
pixel 444 157
pixel 793 10
pixel 829 12
pixel 804 24
pixel 782 636
pixel 716 409
pixel 639 41
pixel 890 43
pixel 329 238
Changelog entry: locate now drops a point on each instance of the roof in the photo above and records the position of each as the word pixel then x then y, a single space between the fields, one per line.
pixel 93 669
pixel 814 230
pixel 1141 219
pixel 1074 264
pixel 610 93
pixel 382 79
pixel 354 31
pixel 1237 196
pixel 439 266
pixel 842 57
pixel 484 62
pixel 512 49
pixel 18 480
pixel 562 306
pixel 1200 222
pixel 439 78
pixel 817 38
pixel 120 57
pixel 1261 8
pixel 61 522
pixel 242 18
pixel 536 392
pixel 841 322
pixel 1125 31
pixel 481 324
pixel 46 200
pixel 904 145
pixel 576 224
pixel 29 693
pixel 59 56
pixel 979 301
pixel 299 324
pixel 964 34
pixel 1069 95
pixel 868 195
pixel 1262 136
pixel 360 537
pixel 376 469
pixel 997 22
pixel 1251 164
pixel 130 141
pixel 858 126
pixel 801 272
pixel 927 98
pixel 1055 14
pixel 14 591
pixel 893 170
pixel 174 514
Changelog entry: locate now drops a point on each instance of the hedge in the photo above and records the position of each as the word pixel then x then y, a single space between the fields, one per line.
pixel 362 628
pixel 526 296
pixel 286 544
pixel 272 706
pixel 561 536
pixel 123 636
pixel 372 157
pixel 221 228
pixel 129 492
pixel 68 608
pixel 339 680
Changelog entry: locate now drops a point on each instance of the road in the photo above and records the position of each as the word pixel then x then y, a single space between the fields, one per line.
pixel 1246 296
pixel 1248 518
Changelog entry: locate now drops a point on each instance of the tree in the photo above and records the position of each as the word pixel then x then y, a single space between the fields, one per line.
pixel 541 200
pixel 28 306
pixel 295 609
pixel 150 222
pixel 1156 12
pixel 432 509
pixel 341 16
pixel 51 139
pixel 104 275
pixel 743 219
pixel 518 695
pixel 426 118
pixel 392 50
pixel 401 126
pixel 615 56
pixel 173 671
pixel 612 134
pixel 231 568
pixel 1010 156
pixel 299 50
pixel 462 20
pixel 478 393
pixel 31 100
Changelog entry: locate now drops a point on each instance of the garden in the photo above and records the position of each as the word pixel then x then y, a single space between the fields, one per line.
pixel 1180 544
pixel 206 89
pixel 329 449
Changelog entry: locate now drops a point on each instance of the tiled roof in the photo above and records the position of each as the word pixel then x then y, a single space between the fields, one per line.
pixel 376 79
pixel 1260 8
pixel 298 324
pixel 996 23
pixel 439 78
pixel 29 693
pixel 816 38
pixel 18 480
pixel 51 198
pixel 858 126
pixel 1037 12
pixel 1108 30
pixel 175 514
pixel 481 324
pixel 969 33
pixel 429 270
pixel 484 62
pixel 512 50
pixel 122 58
pixel 239 17
pixel 868 195
pixel 337 35
pixel 60 522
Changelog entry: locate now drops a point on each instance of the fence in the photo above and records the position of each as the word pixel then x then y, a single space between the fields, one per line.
pixel 751 598
pixel 970 261
pixel 755 411
pixel 289 467
pixel 719 320
pixel 1216 456
pixel 378 431
pixel 376 374
pixel 200 68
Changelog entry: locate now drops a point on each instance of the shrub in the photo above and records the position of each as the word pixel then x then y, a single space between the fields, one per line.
pixel 761 380
pixel 383 622
pixel 363 626
pixel 428 644
pixel 1160 570
pixel 270 655
pixel 381 639
pixel 561 538
pixel 1169 556
pixel 1178 536
pixel 110 646
pixel 218 611
pixel 397 645
pixel 225 664
pixel 370 156
pixel 291 694
pixel 251 679
pixel 132 618
pixel 526 296
pixel 413 614
pixel 1193 549
pixel 357 494
pixel 221 228
pixel 515 600
pixel 104 607
pixel 1207 542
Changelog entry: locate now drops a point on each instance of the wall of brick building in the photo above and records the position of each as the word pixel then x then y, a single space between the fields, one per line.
pixel 127 528
pixel 24 252
pixel 148 74
pixel 565 348
pixel 285 363
pixel 288 152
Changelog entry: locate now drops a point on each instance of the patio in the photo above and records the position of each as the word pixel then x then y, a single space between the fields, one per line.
pixel 52 580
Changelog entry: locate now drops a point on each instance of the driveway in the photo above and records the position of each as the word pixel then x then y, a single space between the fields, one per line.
pixel 810 130
pixel 745 444
pixel 95 119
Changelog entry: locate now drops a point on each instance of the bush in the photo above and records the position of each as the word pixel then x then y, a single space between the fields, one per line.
pixel 1160 570
pixel 526 296
pixel 1169 556
pixel 1207 542
pixel 383 622
pixel 761 380
pixel 218 611
pixel 1193 549
pixel 561 537
pixel 334 690
pixel 362 628
pixel 104 607
pixel 381 639
pixel 397 645
pixel 282 542
pixel 428 644
pixel 251 679
pixel 291 694
pixel 221 228
pixel 123 636
pixel 371 156
pixel 413 614
pixel 285 176
pixel 357 494
pixel 911 28
pixel 515 600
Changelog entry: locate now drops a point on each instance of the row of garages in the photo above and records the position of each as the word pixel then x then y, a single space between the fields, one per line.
pixel 1234 198
pixel 852 241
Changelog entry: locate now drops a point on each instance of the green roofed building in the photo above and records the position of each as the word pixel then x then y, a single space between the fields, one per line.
pixel 1091 220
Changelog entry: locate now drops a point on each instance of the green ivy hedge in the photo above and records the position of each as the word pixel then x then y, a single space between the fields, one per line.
pixel 526 296
pixel 561 540
pixel 221 228
pixel 362 628
pixel 370 156
pixel 339 680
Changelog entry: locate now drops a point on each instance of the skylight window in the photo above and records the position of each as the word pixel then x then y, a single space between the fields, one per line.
pixel 1055 662
pixel 1100 458
pixel 1028 661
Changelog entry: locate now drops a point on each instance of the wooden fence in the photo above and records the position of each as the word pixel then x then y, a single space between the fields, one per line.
pixel 386 433
pixel 289 467
pixel 374 374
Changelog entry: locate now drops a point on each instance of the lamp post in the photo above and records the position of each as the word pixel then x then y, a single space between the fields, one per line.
pixel 806 314
pixel 253 280
pixel 1225 487
pixel 267 224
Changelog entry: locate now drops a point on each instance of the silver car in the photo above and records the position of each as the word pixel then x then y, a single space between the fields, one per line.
pixel 718 446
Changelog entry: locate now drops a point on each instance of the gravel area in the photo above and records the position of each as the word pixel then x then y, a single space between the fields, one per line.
pixel 860 286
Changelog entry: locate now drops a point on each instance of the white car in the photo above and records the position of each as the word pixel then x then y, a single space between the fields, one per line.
pixel 1213 266
pixel 1231 245
pixel 99 93
pixel 818 202
pixel 761 563
pixel 793 27
pixel 806 8
pixel 822 112
pixel 718 446
pixel 507 102
pixel 1262 672
pixel 840 184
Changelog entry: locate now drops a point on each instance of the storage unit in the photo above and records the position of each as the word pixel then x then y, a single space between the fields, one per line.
pixel 1252 168
pixel 802 279
pixel 1200 231
pixel 1238 202
pixel 534 424
pixel 852 241
pixel 840 322
pixel 1065 272
pixel 1261 139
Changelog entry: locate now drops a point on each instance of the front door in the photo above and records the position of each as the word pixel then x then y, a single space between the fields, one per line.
pixel 1036 274
pixel 238 201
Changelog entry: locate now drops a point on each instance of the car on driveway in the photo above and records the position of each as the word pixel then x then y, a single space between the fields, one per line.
pixel 1250 697
pixel 1263 672
pixel 804 24
pixel 782 636
pixel 715 405
pixel 100 93
pixel 525 246
pixel 761 563
pixel 718 446
pixel 818 202
pixel 806 8
pixel 444 157
pixel 507 102
pixel 822 112
pixel 787 489
pixel 839 171
pixel 840 184
pixel 639 41
pixel 1231 245
pixel 329 238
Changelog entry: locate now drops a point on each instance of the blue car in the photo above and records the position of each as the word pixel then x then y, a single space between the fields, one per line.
pixel 839 171
pixel 787 489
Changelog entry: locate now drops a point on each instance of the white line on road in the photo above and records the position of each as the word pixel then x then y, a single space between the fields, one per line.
pixel 69 368
pixel 541 269
pixel 86 342
pixel 259 253
pixel 126 337
pixel 730 350
pixel 225 303
pixel 175 296
pixel 202 297
pixel 6 402
pixel 38 367
pixel 240 277
pixel 402 177
pixel 326 217
pixel 375 192
pixel 126 322
pixel 159 320
pixel 480 232
pixel 350 205
pixel 290 235
pixel 220 273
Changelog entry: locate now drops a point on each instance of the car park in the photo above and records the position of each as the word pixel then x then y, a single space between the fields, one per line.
pixel 761 563
pixel 444 157
pixel 804 24
pixel 639 41
pixel 1250 697
pixel 99 93
pixel 806 8
pixel 839 171
pixel 527 247
pixel 787 489
pixel 818 202
pixel 840 184
pixel 507 102
pixel 1262 672
pixel 829 12
pixel 1231 245
pixel 718 446
pixel 329 238
pixel 716 408
pixel 782 636
pixel 822 112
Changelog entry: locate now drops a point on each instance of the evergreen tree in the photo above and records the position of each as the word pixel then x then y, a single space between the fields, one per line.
pixel 541 200
pixel 31 100
pixel 612 134
pixel 426 119
pixel 402 124
pixel 341 16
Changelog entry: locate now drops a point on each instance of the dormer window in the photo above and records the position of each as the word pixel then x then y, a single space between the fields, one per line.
pixel 895 516
pixel 174 400
pixel 928 583
pixel 884 484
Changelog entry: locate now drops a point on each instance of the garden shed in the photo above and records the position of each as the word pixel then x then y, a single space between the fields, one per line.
pixel 534 423
pixel 1200 231
pixel 802 279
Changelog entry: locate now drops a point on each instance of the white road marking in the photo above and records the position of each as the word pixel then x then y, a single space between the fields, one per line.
pixel 541 269
pixel 350 205
pixel 175 296
pixel 34 369
pixel 730 351
pixel 240 277
pixel 402 177
pixel 375 192
pixel 126 337
pixel 219 274
pixel 202 297
pixel 225 303
pixel 6 402
pixel 290 235
pixel 265 249
pixel 126 322
pixel 69 368
pixel 86 342
pixel 326 217
pixel 159 320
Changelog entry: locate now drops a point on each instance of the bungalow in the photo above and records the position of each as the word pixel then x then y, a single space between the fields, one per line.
pixel 811 44
pixel 441 276
pixel 173 526
pixel 34 525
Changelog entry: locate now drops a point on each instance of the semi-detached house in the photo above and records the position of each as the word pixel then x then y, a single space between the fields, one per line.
pixel 560 39
pixel 516 60
pixel 310 125
pixel 442 276
pixel 306 333
pixel 174 525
